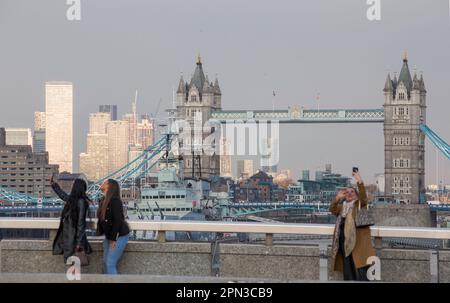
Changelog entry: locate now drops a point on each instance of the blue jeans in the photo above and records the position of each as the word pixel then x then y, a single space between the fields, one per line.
pixel 112 256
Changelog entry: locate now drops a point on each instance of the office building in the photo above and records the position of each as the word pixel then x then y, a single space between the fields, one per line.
pixel 59 124
pixel 18 136
pixel 111 109
pixel 39 132
pixel 118 135
pixel 25 171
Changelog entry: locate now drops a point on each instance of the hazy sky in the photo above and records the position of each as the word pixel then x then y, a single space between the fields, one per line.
pixel 298 48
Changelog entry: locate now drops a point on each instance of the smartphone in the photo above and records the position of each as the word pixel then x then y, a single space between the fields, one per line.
pixel 355 169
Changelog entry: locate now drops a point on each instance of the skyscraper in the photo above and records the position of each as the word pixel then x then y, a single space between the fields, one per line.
pixel 132 127
pixel 39 132
pixel 118 135
pixel 225 158
pixel 39 120
pixel 145 133
pixel 112 109
pixel 94 163
pixel 97 122
pixel 59 124
pixel 18 136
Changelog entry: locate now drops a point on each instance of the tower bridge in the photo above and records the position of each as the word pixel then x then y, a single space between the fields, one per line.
pixel 403 116
pixel 404 119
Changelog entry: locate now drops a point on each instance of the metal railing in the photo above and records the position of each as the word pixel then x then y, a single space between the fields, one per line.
pixel 269 229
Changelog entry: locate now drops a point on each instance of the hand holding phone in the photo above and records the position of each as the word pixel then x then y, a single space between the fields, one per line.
pixel 356 175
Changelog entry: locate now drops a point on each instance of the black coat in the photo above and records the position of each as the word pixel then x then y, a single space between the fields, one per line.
pixel 114 225
pixel 72 227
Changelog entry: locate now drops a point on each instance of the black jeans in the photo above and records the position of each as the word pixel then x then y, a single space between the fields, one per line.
pixel 350 271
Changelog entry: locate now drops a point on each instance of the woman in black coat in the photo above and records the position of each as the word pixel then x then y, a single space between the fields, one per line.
pixel 71 235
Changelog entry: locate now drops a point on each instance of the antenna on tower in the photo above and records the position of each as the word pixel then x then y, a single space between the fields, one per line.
pixel 135 103
pixel 318 101
pixel 135 119
pixel 273 100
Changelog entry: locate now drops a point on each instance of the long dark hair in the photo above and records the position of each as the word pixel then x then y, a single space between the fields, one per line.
pixel 78 192
pixel 112 192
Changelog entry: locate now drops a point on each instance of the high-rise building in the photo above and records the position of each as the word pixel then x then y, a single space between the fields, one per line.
pixel 59 124
pixel 269 155
pixel 94 163
pixel 25 171
pixel 132 127
pixel 106 139
pixel 39 132
pixel 145 132
pixel 39 141
pixel 404 156
pixel 97 122
pixel 18 136
pixel 225 158
pixel 111 109
pixel 39 120
pixel 118 135
pixel 199 96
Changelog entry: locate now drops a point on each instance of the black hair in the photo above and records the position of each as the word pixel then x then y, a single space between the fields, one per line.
pixel 78 192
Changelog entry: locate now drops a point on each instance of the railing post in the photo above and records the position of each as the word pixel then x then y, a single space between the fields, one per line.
pixel 162 236
pixel 52 234
pixel 378 243
pixel 269 239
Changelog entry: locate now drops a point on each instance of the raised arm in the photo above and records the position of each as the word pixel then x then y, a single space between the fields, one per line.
pixel 57 189
pixel 362 195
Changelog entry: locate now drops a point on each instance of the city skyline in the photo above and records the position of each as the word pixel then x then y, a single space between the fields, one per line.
pixel 281 64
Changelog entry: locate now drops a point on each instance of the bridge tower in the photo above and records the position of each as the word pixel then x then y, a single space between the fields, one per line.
pixel 198 96
pixel 404 146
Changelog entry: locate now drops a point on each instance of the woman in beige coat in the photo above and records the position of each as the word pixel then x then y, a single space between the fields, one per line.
pixel 352 246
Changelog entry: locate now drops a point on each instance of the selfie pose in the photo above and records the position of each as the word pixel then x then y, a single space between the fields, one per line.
pixel 71 237
pixel 352 245
pixel 112 224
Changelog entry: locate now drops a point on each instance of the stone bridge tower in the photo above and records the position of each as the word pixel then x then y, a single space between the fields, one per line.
pixel 404 143
pixel 199 96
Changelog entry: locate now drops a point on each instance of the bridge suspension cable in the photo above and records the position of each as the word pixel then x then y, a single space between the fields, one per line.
pixel 437 141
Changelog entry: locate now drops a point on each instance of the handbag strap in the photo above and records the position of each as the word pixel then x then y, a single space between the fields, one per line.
pixel 359 205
